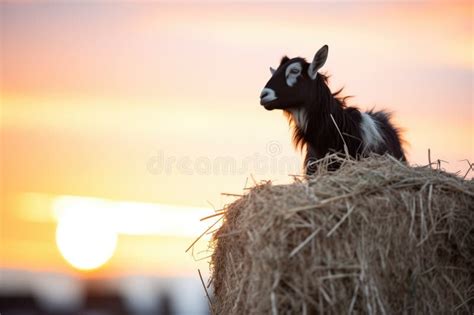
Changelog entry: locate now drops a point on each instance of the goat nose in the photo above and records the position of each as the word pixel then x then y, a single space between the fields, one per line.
pixel 267 96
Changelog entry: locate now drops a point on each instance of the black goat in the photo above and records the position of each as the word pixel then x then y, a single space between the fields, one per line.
pixel 323 123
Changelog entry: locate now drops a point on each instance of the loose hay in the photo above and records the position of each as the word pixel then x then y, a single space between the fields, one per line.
pixel 375 237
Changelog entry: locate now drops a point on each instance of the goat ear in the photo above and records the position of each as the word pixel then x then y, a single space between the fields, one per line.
pixel 272 70
pixel 284 59
pixel 318 61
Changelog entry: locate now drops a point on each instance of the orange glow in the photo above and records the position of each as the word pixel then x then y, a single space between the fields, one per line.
pixel 131 218
pixel 103 234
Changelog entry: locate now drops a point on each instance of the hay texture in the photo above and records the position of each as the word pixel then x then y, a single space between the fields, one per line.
pixel 375 237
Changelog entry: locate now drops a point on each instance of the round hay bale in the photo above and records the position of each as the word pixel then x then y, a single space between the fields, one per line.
pixel 376 237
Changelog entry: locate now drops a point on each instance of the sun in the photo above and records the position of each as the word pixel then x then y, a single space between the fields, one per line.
pixel 84 236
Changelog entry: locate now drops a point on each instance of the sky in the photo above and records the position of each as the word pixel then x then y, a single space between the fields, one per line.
pixel 158 103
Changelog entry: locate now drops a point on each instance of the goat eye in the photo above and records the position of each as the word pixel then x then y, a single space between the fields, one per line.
pixel 294 71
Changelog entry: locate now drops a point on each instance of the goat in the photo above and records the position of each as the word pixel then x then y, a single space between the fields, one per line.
pixel 323 123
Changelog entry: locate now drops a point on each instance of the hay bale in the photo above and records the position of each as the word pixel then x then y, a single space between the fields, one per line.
pixel 375 237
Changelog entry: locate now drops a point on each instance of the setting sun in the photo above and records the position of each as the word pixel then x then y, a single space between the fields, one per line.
pixel 85 242
pixel 88 228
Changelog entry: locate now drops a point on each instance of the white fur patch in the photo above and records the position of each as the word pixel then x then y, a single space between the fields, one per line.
pixel 299 117
pixel 292 72
pixel 371 135
pixel 269 95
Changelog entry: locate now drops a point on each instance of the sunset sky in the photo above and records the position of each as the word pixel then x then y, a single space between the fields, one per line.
pixel 139 101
